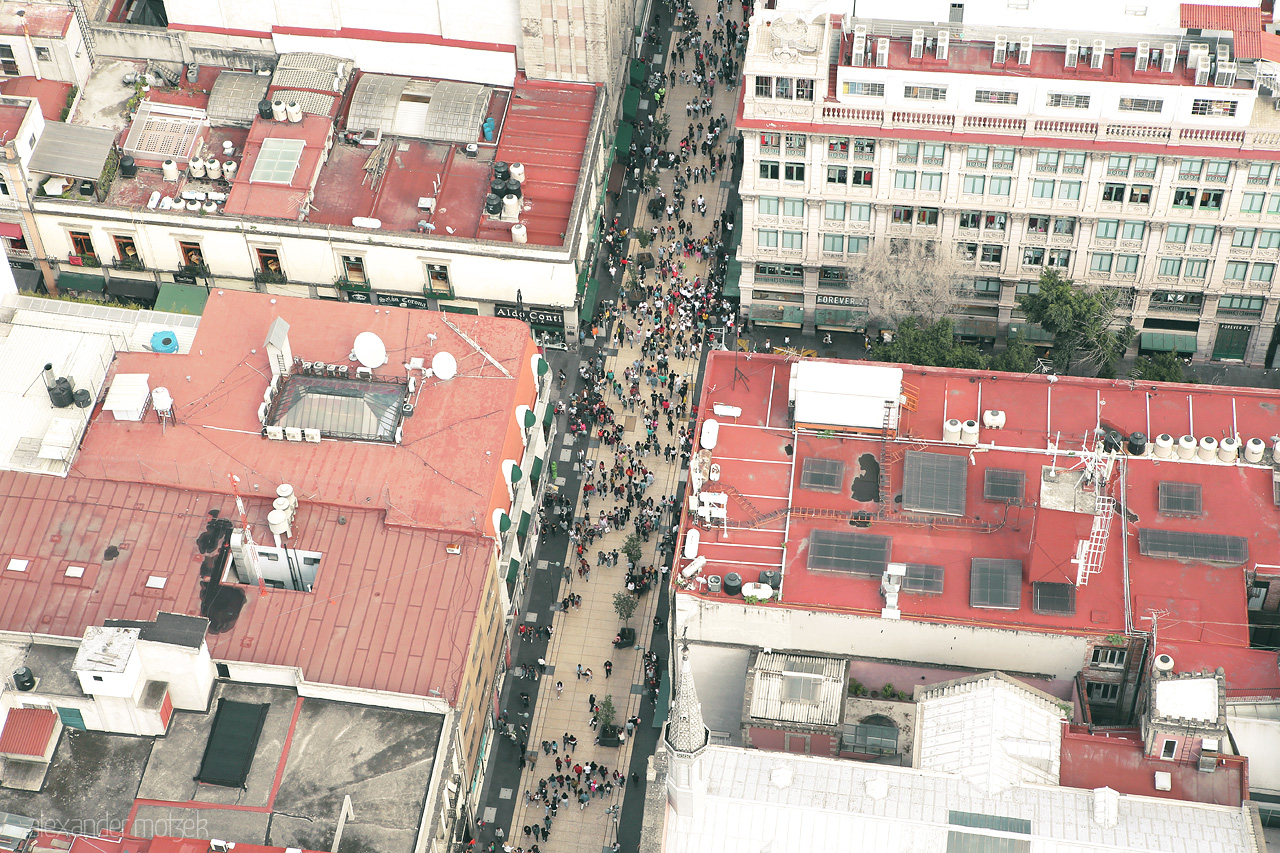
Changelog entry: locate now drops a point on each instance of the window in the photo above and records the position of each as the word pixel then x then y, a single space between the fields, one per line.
pixel 860 178
pixel 1140 194
pixel 269 262
pixel 908 152
pixel 1144 166
pixel 1065 225
pixel 989 96
pixel 858 245
pixel 1109 657
pixel 1211 199
pixel 995 583
pixel 1235 270
pixel 1033 256
pixel 1273 204
pixel 833 243
pixel 1107 229
pixel 353 269
pixel 769 170
pixel 983 286
pixel 794 172
pixel 804 90
pixel 1190 169
pixel 793 207
pixel 1059 258
pixel 1184 197
pixel 859 213
pixel 1171 267
pixel 1000 185
pixel 931 181
pixel 1176 233
pixel 1241 304
pixel 876 735
pixel 7 64
pixel 767 239
pixel 1103 691
pixel 1037 225
pixel 1054 599
pixel 1127 264
pixel 1073 162
pixel 1100 262
pixel 782 87
pixel 1210 107
pixel 838 147
pixel 992 254
pixel 1118 164
pixel 1069 190
pixel 127 252
pixel 797 689
pixel 82 245
pixel 764 87
pixel 975 184
pixel 904 180
pixel 767 205
pixel 967 251
pixel 976 156
pixel 1133 230
pixel 43 54
pixel 822 475
pixel 1068 102
pixel 1047 161
pixel 191 254
pixel 925 93
pixel 1141 105
pixel 1042 189
pixel 1252 202
pixel 834 211
pixel 1260 173
pixel 1195 269
pixel 934 153
pixel 792 240
pixel 837 175
pixel 1113 192
pixel 1269 239
pixel 970 218
pixel 927 216
pixel 874 90
pixel 1263 273
pixel 902 215
pixel 1169 749
pixel 994 222
pixel 1203 234
pixel 864 146
pixel 1002 158
pixel 1217 171
pixel 438 282
pixel 861 554
pixel 771 141
pixel 796 143
pixel 1244 238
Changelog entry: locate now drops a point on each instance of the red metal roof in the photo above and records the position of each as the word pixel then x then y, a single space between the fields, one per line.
pixel 1205 604
pixel 1115 759
pixel 52 94
pixel 27 731
pixel 1245 23
pixel 280 200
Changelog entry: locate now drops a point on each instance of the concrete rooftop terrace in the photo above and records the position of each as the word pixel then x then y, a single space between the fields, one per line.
pixel 1204 602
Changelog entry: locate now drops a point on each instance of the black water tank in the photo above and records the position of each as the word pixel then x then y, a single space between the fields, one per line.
pixel 498 188
pixel 1137 444
pixel 264 108
pixel 1113 441
pixel 501 171
pixel 773 578
pixel 733 584
pixel 86 188
pixel 513 188
pixel 493 204
pixel 25 679
pixel 128 167
pixel 82 398
pixel 61 393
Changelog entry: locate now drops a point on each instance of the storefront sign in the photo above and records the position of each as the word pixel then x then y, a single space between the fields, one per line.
pixel 358 296
pixel 401 300
pixel 183 278
pixel 851 301
pixel 532 316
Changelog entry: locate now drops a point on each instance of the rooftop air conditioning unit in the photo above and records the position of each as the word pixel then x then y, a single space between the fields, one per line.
pixel 293 433
pixel 859 56
pixel 1224 52
pixel 1202 71
pixel 1226 74
pixel 1073 52
pixel 1024 52
pixel 217 845
pixel 452 548
pixel 882 53
pixel 944 44
pixel 275 433
pixel 999 56
pixel 1143 56
pixel 364 373
pixel 262 413
pixel 917 44
pixel 311 435
pixel 1168 56
pixel 1098 53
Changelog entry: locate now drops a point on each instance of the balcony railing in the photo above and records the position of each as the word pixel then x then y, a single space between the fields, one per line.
pixel 130 264
pixel 269 277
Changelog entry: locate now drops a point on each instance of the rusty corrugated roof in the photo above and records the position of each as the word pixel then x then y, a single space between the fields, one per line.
pixel 26 731
pixel 1245 22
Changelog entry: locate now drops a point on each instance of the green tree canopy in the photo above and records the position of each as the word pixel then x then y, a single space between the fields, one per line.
pixel 1084 323
pixel 932 344
pixel 1162 367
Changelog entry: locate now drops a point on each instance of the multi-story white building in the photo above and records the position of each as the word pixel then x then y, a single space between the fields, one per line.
pixel 1139 154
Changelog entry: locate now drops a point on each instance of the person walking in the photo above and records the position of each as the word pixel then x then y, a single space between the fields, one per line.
pixel 608 668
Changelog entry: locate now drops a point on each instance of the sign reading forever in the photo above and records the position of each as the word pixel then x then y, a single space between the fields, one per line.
pixel 532 316
pixel 852 301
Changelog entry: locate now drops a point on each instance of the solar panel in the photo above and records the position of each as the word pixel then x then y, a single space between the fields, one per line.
pixel 1002 484
pixel 995 583
pixel 1053 598
pixel 1181 499
pixel 934 482
pixel 923 579
pixel 277 161
pixel 1181 545
pixel 862 554
pixel 822 475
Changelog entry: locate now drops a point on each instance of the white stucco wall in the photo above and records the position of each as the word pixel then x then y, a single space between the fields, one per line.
pixel 447 62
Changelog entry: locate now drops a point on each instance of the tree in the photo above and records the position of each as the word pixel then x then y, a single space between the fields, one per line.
pixel 1163 367
pixel 1018 357
pixel 632 548
pixel 931 344
pixel 606 713
pixel 1085 323
pixel 624 604
pixel 906 277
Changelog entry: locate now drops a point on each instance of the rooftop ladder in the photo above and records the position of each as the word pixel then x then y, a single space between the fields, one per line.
pixel 1090 552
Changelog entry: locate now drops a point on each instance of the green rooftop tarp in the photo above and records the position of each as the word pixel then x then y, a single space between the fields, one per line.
pixel 233 740
pixel 631 102
pixel 182 298
pixel 84 282
pixel 732 274
pixel 588 308
pixel 622 142
pixel 1168 342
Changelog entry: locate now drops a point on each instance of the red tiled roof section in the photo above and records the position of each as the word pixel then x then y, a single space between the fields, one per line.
pixel 1244 21
pixel 26 731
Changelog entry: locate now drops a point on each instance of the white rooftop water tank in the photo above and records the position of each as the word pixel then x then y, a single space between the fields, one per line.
pixel 1253 450
pixel 510 206
pixel 169 170
pixel 229 169
pixel 213 168
pixel 1186 447
pixel 1208 448
pixel 196 167
pixel 969 432
pixel 1164 445
pixel 293 111
pixel 519 233
pixel 277 111
pixel 1228 449
pixel 951 430
pixel 517 172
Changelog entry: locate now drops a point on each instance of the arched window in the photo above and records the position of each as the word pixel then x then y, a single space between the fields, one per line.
pixel 875 735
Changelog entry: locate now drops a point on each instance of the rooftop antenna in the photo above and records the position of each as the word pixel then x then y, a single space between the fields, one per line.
pixel 738 374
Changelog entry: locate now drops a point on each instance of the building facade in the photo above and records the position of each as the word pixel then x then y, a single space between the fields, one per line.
pixel 1140 155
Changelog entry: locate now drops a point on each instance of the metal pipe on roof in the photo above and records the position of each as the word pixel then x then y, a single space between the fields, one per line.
pixel 1191 416
pixel 1235 429
pixel 1147 399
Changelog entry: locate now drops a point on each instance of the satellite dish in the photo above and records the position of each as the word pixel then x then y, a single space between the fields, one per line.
pixel 444 365
pixel 370 351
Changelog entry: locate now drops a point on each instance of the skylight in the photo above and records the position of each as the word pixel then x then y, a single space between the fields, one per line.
pixel 862 554
pixel 934 482
pixel 338 408
pixel 995 583
pixel 1057 599
pixel 1181 499
pixel 822 475
pixel 1003 485
pixel 1181 545
pixel 923 579
pixel 277 161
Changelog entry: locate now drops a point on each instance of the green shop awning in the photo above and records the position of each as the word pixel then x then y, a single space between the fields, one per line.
pixel 523 529
pixel 504 522
pixel 793 314
pixel 549 416
pixel 529 420
pixel 1032 332
pixel 543 367
pixel 84 282
pixel 622 142
pixel 638 70
pixel 663 706
pixel 182 298
pixel 1168 342
pixel 588 308
pixel 536 471
pixel 512 570
pixel 732 275
pixel 631 102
